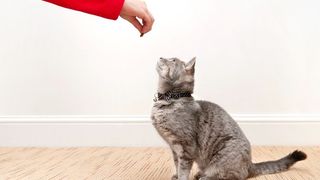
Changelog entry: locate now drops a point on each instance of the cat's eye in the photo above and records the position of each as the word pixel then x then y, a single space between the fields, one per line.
pixel 174 60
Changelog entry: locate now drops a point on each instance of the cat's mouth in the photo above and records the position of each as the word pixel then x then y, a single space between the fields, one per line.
pixel 160 65
pixel 162 68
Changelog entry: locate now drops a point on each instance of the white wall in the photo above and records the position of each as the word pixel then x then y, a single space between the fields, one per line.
pixel 255 57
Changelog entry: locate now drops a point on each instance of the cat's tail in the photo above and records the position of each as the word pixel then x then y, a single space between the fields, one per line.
pixel 283 164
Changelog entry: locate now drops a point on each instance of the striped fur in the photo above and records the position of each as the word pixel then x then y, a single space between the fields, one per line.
pixel 283 164
pixel 203 132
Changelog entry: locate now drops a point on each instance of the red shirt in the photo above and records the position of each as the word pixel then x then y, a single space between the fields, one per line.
pixel 109 9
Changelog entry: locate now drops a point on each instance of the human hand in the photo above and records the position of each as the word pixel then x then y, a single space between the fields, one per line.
pixel 133 9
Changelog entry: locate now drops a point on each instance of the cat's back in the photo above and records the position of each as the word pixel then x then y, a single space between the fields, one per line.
pixel 211 110
pixel 208 106
pixel 215 118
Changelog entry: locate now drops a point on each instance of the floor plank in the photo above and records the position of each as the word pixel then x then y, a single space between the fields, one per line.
pixel 127 163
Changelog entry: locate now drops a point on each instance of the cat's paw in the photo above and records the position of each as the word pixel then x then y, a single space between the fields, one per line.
pixel 203 178
pixel 198 176
pixel 174 177
pixel 211 178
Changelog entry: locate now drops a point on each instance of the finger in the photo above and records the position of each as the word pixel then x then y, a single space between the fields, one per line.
pixel 135 23
pixel 147 22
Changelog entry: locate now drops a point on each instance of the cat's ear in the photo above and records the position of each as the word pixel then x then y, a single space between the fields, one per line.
pixel 190 65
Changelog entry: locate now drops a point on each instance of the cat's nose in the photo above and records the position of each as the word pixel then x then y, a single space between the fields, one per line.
pixel 161 60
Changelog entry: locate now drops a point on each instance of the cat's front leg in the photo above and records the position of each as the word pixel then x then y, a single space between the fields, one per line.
pixel 175 159
pixel 184 162
pixel 184 167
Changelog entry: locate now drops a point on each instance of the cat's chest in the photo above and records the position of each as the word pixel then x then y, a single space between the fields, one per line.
pixel 163 112
pixel 172 113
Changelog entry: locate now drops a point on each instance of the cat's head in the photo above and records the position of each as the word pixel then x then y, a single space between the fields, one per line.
pixel 176 75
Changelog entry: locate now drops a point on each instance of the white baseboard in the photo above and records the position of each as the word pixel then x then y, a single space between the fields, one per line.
pixel 96 130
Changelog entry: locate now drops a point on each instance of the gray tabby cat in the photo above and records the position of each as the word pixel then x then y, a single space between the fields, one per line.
pixel 203 132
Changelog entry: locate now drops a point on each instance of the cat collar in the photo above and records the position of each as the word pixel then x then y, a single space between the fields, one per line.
pixel 170 95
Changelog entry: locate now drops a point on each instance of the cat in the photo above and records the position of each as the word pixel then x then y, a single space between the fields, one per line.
pixel 203 132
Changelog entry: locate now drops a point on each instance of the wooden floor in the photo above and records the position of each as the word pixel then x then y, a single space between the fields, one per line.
pixel 127 163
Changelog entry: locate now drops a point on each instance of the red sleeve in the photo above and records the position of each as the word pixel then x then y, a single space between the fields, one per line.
pixel 109 9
